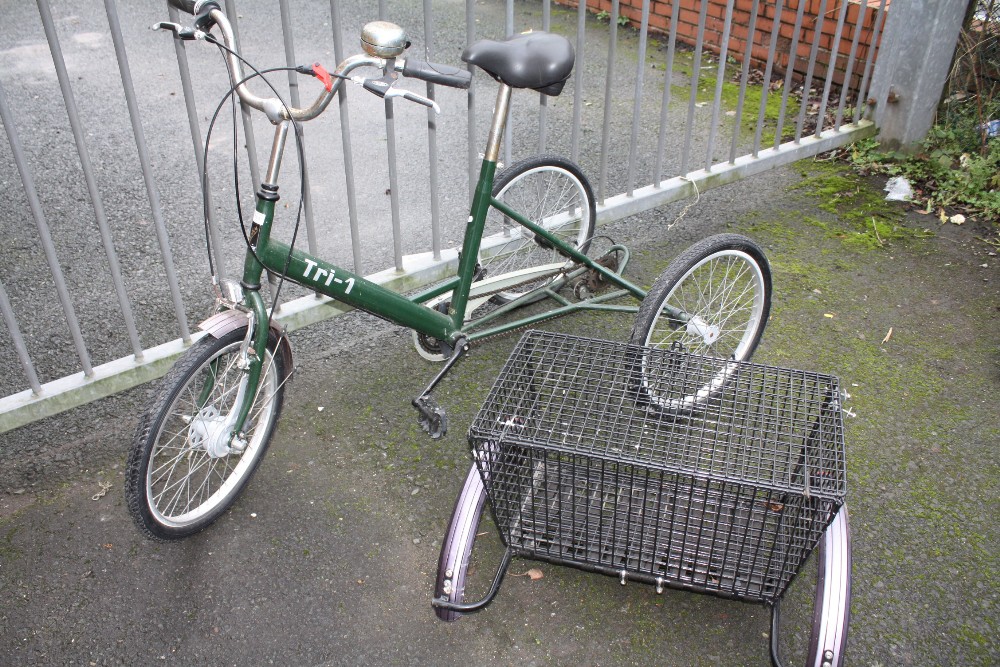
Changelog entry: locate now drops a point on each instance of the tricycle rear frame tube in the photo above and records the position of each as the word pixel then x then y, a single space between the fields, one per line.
pixel 568 250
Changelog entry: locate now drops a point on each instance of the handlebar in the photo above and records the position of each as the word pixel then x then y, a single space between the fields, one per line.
pixel 209 13
pixel 446 75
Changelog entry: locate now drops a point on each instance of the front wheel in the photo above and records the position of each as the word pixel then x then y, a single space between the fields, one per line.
pixel 183 469
pixel 712 301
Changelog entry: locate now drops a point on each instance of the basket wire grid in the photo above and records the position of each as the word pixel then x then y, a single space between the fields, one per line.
pixel 583 467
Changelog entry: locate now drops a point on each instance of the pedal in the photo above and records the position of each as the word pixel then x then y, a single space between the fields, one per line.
pixel 432 418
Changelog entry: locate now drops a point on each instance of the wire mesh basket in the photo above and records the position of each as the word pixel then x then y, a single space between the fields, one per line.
pixel 729 495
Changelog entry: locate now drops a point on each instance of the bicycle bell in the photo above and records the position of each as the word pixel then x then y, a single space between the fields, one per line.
pixel 383 39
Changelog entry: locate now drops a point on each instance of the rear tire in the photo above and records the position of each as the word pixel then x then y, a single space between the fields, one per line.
pixel 551 192
pixel 456 551
pixel 723 285
pixel 173 486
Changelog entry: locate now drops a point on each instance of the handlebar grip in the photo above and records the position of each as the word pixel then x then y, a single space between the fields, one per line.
pixel 446 75
pixel 194 7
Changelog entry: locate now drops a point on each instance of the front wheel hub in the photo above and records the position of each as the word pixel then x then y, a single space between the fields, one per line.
pixel 208 432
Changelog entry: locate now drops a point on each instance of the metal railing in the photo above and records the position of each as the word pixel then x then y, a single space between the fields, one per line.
pixel 128 304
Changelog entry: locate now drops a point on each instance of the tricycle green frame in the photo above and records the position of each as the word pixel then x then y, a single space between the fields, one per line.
pixel 265 253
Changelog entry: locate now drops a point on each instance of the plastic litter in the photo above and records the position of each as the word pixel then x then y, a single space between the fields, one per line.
pixel 991 129
pixel 899 189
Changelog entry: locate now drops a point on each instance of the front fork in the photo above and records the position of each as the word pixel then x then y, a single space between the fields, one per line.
pixel 253 351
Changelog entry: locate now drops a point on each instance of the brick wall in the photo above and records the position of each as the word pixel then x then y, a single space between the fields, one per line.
pixel 687 30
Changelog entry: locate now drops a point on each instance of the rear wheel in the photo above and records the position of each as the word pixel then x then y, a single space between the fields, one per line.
pixel 456 551
pixel 712 301
pixel 551 192
pixel 183 469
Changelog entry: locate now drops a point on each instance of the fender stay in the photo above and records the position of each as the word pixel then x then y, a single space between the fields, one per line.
pixel 223 322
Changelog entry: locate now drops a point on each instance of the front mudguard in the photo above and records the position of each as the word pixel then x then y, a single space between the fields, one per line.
pixel 223 322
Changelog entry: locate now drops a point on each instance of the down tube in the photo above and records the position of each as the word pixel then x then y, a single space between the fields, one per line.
pixel 346 287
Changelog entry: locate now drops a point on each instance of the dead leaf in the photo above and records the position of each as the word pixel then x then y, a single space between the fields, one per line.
pixel 942 216
pixel 534 574
pixel 887 336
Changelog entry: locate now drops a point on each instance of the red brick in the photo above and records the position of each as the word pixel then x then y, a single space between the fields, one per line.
pixel 661 9
pixel 714 26
pixel 688 16
pixel 787 31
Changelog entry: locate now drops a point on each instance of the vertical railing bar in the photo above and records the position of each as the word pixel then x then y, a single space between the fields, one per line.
pixel 720 79
pixel 665 102
pixel 88 174
pixel 293 95
pixel 432 146
pixel 543 99
pixel 581 30
pixel 15 334
pixel 208 210
pixel 831 68
pixel 849 73
pixel 147 170
pixel 810 71
pixel 345 140
pixel 43 232
pixel 390 149
pixel 744 80
pixel 768 69
pixel 869 61
pixel 608 83
pixel 637 101
pixel 693 95
pixel 390 139
pixel 508 135
pixel 789 71
pixel 470 37
pixel 248 133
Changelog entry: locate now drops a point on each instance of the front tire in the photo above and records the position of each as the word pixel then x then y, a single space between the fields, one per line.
pixel 175 484
pixel 721 286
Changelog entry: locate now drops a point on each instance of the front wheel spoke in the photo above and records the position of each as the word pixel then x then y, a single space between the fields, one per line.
pixel 183 484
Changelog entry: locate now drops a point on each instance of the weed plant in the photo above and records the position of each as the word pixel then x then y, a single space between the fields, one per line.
pixel 958 164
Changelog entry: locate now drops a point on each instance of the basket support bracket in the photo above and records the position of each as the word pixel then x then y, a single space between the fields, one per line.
pixel 470 607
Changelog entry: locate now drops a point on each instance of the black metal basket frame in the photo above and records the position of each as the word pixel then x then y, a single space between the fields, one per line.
pixel 587 461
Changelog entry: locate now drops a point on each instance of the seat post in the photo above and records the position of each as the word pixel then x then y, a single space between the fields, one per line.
pixel 499 122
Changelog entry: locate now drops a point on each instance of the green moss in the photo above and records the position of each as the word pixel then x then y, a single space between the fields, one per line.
pixel 863 220
pixel 7 549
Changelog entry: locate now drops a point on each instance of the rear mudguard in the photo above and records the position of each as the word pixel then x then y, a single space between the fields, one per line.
pixel 221 323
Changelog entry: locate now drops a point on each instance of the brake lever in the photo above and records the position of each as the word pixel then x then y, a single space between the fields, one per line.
pixel 413 97
pixel 383 88
pixel 179 31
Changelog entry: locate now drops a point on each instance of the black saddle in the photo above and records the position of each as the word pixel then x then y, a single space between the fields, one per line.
pixel 537 60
